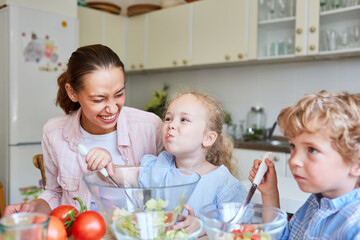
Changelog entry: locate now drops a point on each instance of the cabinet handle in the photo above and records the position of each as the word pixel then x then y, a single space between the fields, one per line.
pixel 312 29
pixel 133 66
pixel 174 62
pixel 299 31
pixel 141 66
pixel 240 55
pixel 227 57
pixel 312 47
pixel 298 49
pixel 185 62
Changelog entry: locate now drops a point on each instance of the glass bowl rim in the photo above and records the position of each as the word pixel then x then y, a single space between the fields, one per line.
pixel 191 235
pixel 22 227
pixel 276 224
pixel 139 188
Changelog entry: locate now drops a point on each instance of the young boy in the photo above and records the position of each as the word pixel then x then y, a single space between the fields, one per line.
pixel 324 135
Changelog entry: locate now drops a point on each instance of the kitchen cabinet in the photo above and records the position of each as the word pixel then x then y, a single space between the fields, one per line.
pixel 169 37
pixel 220 32
pixel 136 42
pixel 98 27
pixel 246 158
pixel 318 27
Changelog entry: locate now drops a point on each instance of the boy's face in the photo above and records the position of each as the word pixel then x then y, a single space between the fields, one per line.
pixel 318 167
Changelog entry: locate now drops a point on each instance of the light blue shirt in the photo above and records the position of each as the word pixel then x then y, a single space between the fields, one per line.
pixel 324 218
pixel 216 186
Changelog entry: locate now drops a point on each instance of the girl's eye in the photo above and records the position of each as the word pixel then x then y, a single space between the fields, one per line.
pixel 185 120
pixel 118 95
pixel 312 150
pixel 167 119
pixel 98 101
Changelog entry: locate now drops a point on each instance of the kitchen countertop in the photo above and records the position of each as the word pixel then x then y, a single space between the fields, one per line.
pixel 275 144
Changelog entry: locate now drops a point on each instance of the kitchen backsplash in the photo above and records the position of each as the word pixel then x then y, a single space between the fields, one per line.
pixel 273 86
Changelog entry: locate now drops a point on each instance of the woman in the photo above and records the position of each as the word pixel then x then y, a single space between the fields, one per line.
pixel 92 95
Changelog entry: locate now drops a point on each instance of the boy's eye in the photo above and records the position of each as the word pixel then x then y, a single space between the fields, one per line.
pixel 291 146
pixel 185 120
pixel 119 95
pixel 312 150
pixel 98 100
pixel 167 119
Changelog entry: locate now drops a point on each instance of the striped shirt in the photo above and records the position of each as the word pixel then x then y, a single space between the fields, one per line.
pixel 323 218
pixel 138 133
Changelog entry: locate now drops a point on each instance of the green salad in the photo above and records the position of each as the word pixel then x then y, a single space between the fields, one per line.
pixel 154 223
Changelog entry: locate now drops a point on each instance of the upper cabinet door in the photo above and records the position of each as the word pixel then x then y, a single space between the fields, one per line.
pixel 220 31
pixel 115 34
pixel 90 26
pixel 136 42
pixel 169 37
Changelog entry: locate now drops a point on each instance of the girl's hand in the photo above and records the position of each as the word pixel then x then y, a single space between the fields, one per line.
pixel 38 205
pixel 188 223
pixel 268 185
pixel 99 158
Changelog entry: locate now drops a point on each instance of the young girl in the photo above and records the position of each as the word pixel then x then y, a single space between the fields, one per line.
pixel 192 136
pixel 92 94
pixel 323 131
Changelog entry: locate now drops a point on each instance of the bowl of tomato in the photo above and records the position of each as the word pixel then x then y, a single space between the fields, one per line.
pixel 140 189
pixel 156 225
pixel 259 222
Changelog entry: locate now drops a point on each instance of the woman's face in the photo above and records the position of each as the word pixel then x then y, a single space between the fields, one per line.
pixel 101 100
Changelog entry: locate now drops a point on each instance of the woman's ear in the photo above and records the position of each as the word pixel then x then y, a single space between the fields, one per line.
pixel 70 92
pixel 209 139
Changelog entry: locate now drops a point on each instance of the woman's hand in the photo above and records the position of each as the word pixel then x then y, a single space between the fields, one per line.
pixel 188 223
pixel 268 185
pixel 38 205
pixel 99 158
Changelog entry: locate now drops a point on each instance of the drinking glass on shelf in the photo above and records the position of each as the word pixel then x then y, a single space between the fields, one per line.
pixel 332 36
pixel 271 8
pixel 356 35
pixel 290 5
pixel 323 5
pixel 324 41
pixel 280 7
pixel 344 39
pixel 263 10
pixel 281 47
pixel 336 4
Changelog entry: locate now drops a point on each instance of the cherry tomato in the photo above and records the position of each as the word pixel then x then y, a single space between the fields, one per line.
pixel 89 225
pixel 169 216
pixel 56 229
pixel 62 212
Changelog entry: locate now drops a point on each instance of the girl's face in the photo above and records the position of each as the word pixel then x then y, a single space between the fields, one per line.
pixel 318 167
pixel 101 100
pixel 184 127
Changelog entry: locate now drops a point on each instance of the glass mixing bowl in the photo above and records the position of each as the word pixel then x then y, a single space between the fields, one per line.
pixel 154 225
pixel 258 222
pixel 141 189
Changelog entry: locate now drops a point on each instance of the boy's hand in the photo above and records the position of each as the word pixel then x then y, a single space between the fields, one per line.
pixel 188 223
pixel 99 158
pixel 268 185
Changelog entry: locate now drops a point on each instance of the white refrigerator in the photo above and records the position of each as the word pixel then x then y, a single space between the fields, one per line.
pixel 34 49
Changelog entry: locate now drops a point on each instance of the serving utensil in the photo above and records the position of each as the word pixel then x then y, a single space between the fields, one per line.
pixel 83 150
pixel 231 225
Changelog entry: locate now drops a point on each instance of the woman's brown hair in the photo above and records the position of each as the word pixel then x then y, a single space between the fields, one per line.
pixel 83 61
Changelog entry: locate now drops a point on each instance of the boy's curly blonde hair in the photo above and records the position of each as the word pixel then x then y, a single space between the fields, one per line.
pixel 337 112
pixel 221 151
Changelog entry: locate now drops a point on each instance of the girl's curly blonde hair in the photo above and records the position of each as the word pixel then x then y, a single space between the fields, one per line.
pixel 220 153
pixel 337 112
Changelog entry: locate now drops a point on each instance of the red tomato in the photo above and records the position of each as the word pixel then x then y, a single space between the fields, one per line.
pixel 61 212
pixel 89 225
pixel 169 216
pixel 56 229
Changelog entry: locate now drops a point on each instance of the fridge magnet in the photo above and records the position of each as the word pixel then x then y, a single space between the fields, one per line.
pixel 41 50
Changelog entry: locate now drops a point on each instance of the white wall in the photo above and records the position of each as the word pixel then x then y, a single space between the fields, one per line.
pixel 273 86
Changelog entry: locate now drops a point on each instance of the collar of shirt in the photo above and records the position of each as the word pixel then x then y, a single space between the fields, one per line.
pixel 339 202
